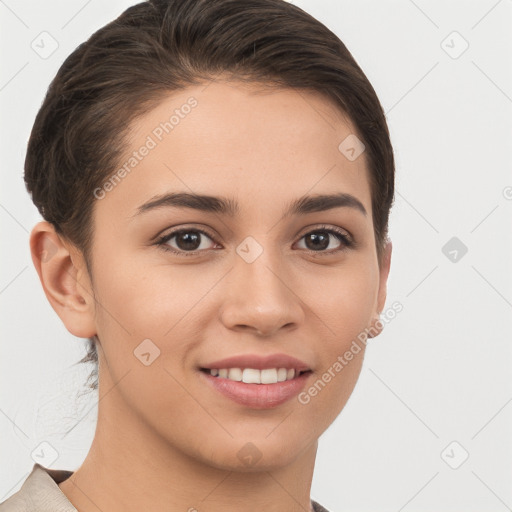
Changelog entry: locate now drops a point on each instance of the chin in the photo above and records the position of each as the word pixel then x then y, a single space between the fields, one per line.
pixel 256 456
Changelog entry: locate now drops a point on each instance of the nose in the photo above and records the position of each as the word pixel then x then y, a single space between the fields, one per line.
pixel 261 297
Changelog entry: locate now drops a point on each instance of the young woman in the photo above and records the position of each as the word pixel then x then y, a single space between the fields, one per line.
pixel 215 178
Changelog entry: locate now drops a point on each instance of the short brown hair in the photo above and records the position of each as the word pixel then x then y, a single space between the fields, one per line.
pixel 159 46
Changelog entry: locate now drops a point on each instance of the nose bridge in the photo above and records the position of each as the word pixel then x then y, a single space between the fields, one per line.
pixel 259 296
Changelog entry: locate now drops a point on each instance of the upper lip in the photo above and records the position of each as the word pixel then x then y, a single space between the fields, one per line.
pixel 258 362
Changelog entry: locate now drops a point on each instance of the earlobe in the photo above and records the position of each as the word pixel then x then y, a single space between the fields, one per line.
pixel 64 280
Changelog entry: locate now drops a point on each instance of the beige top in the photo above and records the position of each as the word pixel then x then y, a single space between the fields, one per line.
pixel 40 493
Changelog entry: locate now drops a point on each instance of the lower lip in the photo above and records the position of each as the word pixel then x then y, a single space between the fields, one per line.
pixel 258 396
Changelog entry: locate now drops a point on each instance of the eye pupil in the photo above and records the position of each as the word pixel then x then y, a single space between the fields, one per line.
pixel 190 239
pixel 319 241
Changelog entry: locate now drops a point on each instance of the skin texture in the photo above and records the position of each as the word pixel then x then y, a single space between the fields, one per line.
pixel 165 441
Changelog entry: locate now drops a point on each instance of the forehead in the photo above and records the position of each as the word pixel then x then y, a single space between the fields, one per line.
pixel 265 146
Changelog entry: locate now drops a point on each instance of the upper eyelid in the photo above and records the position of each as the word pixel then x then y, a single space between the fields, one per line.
pixel 177 231
pixel 304 231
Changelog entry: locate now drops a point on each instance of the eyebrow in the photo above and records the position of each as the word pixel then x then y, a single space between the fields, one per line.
pixel 229 207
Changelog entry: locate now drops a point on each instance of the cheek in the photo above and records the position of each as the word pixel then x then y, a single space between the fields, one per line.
pixel 344 299
pixel 344 305
pixel 148 299
pixel 142 300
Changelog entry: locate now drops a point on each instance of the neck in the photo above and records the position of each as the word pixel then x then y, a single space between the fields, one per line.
pixel 131 467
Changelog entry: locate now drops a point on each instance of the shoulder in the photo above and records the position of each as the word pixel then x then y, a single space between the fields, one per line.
pixel 40 493
pixel 316 507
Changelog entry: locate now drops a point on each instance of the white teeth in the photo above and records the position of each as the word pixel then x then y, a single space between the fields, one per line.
pixel 254 376
pixel 235 374
pixel 281 374
pixel 251 376
pixel 269 376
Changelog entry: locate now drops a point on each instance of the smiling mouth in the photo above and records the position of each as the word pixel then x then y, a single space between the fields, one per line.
pixel 255 376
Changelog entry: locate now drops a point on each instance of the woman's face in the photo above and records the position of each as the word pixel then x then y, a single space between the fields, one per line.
pixel 253 276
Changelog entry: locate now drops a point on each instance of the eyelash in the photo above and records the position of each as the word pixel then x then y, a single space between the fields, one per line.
pixel 345 240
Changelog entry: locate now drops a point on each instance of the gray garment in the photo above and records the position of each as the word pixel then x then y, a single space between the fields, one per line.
pixel 40 493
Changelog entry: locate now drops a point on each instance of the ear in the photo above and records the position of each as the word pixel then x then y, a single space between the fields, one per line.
pixel 377 326
pixel 65 280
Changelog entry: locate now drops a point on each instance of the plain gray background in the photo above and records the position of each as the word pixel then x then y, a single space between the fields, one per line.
pixel 435 387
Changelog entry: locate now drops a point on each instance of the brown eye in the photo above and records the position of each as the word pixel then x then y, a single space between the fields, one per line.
pixel 320 240
pixel 186 241
pixel 317 241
